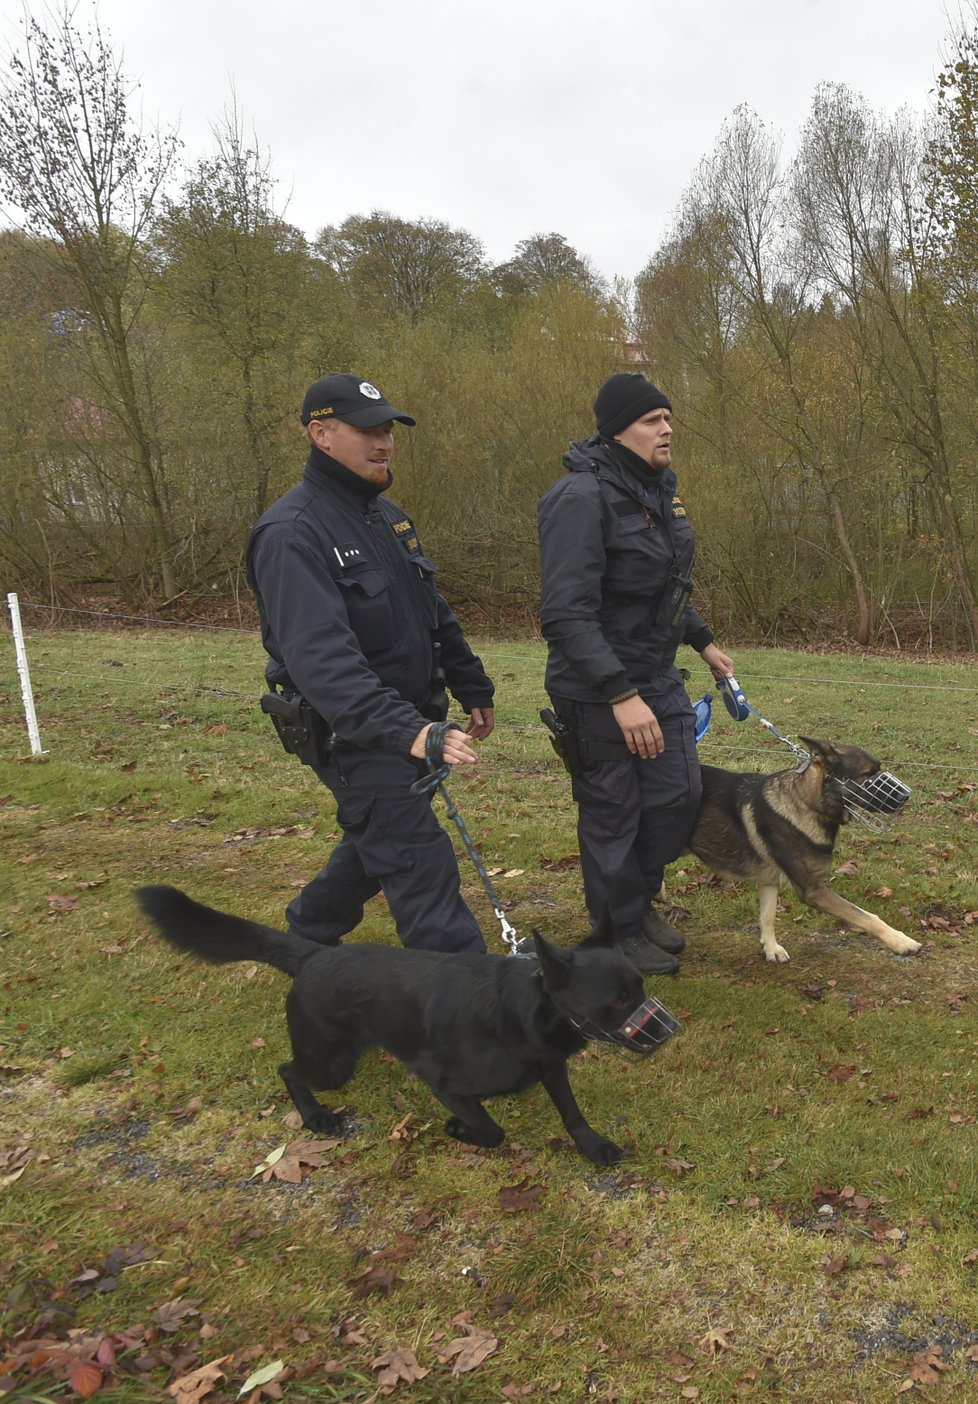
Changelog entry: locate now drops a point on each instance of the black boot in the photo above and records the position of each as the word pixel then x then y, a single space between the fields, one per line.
pixel 647 957
pixel 656 929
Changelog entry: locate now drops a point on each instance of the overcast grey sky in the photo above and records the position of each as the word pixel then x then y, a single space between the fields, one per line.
pixel 514 117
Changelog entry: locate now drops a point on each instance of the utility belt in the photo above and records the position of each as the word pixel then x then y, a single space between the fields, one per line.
pixel 304 733
pixel 577 751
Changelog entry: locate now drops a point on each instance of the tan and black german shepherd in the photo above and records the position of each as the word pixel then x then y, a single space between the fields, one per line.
pixel 781 828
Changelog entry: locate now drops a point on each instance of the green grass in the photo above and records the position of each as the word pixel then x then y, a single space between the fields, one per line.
pixel 140 1092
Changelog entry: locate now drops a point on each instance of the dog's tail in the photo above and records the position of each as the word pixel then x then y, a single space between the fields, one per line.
pixel 217 937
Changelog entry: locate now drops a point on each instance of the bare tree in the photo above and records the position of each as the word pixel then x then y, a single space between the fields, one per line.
pixel 239 275
pixel 77 169
pixel 859 188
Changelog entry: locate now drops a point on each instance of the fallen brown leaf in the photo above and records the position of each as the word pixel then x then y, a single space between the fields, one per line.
pixel 192 1387
pixel 171 1315
pixel 927 1366
pixel 86 1378
pixel 469 1350
pixel 716 1339
pixel 376 1278
pixel 58 903
pixel 833 1266
pixel 514 1198
pixel 395 1365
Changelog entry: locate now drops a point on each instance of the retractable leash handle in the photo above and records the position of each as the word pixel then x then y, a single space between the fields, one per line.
pixel 733 698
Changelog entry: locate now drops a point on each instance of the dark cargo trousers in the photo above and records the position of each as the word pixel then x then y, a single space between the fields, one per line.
pixel 633 816
pixel 392 842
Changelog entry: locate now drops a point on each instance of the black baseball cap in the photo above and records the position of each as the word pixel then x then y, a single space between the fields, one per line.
pixel 351 398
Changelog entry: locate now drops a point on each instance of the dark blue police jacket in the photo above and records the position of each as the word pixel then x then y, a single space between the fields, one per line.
pixel 350 610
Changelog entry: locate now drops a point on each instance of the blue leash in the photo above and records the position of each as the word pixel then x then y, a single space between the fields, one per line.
pixel 740 709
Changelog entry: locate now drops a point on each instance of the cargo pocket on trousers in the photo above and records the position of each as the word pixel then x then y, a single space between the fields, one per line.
pixel 378 846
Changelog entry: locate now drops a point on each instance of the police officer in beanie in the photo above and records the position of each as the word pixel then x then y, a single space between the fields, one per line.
pixel 617 555
pixel 361 640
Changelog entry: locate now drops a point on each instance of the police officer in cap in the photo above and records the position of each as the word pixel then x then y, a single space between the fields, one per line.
pixel 617 556
pixel 354 623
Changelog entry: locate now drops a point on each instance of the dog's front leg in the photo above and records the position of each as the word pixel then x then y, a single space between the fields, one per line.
pixel 827 900
pixel 315 1117
pixel 768 897
pixel 586 1139
pixel 471 1122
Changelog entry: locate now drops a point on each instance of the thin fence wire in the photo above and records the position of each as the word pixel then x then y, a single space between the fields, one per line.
pixel 103 617
pixel 501 656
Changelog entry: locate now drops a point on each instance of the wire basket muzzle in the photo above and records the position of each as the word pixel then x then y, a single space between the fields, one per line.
pixel 645 1030
pixel 875 800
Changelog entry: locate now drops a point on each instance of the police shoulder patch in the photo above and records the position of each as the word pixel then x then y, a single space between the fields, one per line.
pixel 348 555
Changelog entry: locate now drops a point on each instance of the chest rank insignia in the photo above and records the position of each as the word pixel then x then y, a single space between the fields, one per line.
pixel 402 526
pixel 678 510
pixel 347 555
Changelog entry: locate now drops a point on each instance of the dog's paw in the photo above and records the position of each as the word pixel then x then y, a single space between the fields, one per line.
pixel 456 1127
pixel 601 1150
pixel 326 1123
pixel 903 945
pixel 775 954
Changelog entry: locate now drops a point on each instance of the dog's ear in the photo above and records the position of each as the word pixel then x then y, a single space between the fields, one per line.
pixel 601 935
pixel 823 751
pixel 554 962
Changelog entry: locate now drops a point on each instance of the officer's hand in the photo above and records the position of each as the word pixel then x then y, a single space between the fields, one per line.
pixel 456 747
pixel 481 722
pixel 718 663
pixel 640 728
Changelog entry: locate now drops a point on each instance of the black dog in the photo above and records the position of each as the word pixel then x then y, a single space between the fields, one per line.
pixel 470 1026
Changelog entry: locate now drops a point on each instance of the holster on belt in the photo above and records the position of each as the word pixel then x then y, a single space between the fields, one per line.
pixel 299 727
pixel 563 740
pixel 577 751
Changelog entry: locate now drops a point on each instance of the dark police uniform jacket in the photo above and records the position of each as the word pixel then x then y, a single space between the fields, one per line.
pixel 350 610
pixel 612 532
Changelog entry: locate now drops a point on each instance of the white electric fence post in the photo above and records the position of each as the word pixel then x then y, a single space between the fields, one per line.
pixel 13 604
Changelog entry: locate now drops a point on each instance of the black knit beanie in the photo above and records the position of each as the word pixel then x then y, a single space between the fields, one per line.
pixel 625 398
